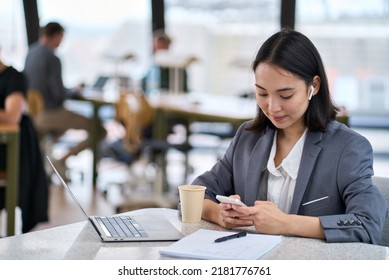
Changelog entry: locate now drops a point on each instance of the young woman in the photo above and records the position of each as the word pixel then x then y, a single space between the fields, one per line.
pixel 297 169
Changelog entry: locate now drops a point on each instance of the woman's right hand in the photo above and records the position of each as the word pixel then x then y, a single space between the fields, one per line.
pixel 230 218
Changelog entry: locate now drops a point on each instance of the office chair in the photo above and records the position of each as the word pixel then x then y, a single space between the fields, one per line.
pixel 136 115
pixel 383 185
pixel 36 106
pixel 47 139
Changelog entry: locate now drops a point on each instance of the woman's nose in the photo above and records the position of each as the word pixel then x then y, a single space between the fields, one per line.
pixel 274 105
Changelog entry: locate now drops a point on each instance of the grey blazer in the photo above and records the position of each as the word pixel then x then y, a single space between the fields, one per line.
pixel 333 183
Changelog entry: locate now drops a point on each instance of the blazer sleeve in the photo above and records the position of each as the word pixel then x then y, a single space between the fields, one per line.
pixel 219 180
pixel 365 208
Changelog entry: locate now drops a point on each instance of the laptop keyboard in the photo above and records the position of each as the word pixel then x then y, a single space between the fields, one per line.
pixel 122 226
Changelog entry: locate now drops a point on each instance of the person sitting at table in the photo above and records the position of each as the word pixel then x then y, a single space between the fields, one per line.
pixel 158 77
pixel 298 170
pixel 33 190
pixel 44 73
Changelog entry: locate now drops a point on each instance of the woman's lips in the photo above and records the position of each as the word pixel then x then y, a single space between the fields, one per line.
pixel 278 119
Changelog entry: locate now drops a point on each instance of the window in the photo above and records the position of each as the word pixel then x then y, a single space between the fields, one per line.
pixel 353 38
pixel 224 36
pixel 13 39
pixel 98 33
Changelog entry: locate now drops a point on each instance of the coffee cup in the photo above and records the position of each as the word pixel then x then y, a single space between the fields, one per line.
pixel 191 202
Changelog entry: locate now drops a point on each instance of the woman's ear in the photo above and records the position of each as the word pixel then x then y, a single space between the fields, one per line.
pixel 316 81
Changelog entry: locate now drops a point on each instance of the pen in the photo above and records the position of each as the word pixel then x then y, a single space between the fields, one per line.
pixel 236 235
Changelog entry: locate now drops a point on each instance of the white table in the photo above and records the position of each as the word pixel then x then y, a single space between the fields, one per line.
pixel 79 241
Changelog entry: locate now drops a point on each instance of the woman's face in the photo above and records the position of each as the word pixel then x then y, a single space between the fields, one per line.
pixel 282 96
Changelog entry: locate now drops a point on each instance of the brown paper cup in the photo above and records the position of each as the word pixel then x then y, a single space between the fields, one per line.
pixel 191 201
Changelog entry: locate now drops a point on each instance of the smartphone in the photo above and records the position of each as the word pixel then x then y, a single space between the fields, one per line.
pixel 231 200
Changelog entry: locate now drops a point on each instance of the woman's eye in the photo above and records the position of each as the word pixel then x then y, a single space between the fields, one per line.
pixel 262 94
pixel 287 97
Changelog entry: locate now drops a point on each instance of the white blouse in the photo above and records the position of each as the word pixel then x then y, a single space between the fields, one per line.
pixel 282 179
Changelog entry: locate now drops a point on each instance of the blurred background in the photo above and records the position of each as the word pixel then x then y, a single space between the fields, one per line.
pixel 224 35
pixel 351 35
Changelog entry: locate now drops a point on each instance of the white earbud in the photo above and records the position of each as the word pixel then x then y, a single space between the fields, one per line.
pixel 311 93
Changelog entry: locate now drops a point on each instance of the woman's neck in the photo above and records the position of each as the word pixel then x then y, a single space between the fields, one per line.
pixel 291 134
pixel 286 140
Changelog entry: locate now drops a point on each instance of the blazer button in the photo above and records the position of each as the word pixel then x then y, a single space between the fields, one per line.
pixel 358 222
pixel 346 223
pixel 352 222
pixel 340 223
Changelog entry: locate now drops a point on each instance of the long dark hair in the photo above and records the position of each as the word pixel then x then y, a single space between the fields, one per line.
pixel 295 53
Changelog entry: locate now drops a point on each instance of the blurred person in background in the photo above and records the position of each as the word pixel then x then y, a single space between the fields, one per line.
pixel 33 181
pixel 157 77
pixel 43 70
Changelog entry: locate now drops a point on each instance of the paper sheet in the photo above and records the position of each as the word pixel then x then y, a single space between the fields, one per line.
pixel 201 245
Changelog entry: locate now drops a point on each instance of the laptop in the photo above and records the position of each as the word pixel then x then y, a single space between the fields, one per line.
pixel 97 89
pixel 127 228
pixel 100 83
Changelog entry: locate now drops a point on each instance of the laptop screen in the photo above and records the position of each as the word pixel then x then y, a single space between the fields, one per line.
pixel 67 187
pixel 100 82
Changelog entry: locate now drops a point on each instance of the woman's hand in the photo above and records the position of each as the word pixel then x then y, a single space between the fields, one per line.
pixel 269 219
pixel 230 216
pixel 265 216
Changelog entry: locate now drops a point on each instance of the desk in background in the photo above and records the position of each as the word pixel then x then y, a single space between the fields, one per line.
pixel 9 135
pixel 200 107
pixel 79 241
pixel 188 107
pixel 97 100
pixel 196 107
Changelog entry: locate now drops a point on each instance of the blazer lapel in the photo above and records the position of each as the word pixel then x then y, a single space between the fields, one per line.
pixel 308 159
pixel 257 164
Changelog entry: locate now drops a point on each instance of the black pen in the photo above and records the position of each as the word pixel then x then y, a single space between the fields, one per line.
pixel 236 235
